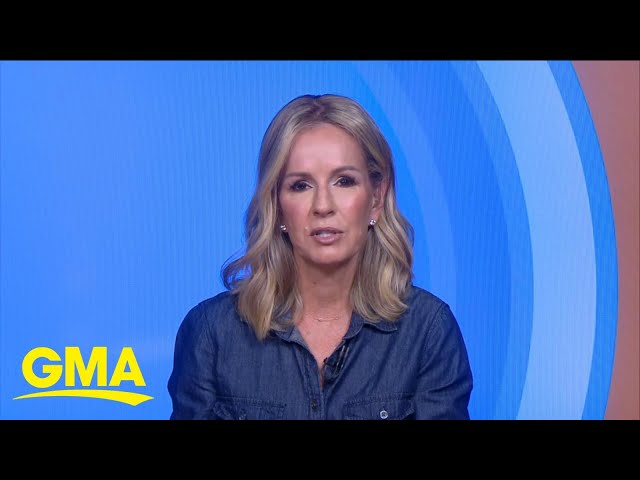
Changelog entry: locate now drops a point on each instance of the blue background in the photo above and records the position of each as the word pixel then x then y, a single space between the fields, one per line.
pixel 123 187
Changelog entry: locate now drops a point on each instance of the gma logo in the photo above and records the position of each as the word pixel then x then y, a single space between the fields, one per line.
pixel 126 369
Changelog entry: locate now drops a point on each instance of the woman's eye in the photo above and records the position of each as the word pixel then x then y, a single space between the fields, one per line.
pixel 346 181
pixel 299 186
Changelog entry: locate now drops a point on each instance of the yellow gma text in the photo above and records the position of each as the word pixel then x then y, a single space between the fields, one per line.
pixel 126 370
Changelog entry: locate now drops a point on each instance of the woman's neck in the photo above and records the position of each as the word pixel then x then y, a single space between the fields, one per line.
pixel 326 296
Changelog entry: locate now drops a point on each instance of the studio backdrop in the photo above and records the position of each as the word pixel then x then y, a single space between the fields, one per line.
pixel 124 186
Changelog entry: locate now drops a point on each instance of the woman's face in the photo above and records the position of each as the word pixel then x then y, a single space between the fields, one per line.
pixel 326 198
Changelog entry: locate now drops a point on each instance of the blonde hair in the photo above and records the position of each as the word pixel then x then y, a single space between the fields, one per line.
pixel 264 277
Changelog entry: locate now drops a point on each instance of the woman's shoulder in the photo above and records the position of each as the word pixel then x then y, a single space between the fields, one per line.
pixel 424 299
pixel 428 309
pixel 216 308
pixel 222 300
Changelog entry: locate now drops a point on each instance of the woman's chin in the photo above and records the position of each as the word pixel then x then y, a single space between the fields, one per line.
pixel 330 263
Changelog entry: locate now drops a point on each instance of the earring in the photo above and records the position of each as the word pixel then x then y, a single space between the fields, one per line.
pixel 372 222
pixel 283 228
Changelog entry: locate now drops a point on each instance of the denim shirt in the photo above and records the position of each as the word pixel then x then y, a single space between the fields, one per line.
pixel 414 368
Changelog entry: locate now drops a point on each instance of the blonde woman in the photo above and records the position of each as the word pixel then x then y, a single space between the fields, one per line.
pixel 320 319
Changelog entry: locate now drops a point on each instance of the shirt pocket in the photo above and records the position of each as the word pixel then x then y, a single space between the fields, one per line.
pixel 396 407
pixel 234 408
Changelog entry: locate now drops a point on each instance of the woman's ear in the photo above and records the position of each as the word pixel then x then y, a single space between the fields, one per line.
pixel 379 194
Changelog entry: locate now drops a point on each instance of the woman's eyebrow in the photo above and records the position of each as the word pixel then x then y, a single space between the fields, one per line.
pixel 345 168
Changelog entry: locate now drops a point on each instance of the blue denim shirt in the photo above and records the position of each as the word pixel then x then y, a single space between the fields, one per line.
pixel 414 368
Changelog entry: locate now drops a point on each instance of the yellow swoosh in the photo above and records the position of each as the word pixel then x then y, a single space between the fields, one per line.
pixel 124 397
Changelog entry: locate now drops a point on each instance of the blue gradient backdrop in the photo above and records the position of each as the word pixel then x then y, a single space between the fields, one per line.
pixel 124 185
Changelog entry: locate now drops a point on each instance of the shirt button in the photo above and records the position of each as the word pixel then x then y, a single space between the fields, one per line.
pixel 384 414
pixel 314 404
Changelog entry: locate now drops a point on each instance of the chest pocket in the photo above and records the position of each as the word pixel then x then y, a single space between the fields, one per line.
pixel 380 409
pixel 232 408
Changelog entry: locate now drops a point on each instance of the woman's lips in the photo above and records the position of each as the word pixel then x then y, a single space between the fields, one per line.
pixel 321 230
pixel 326 236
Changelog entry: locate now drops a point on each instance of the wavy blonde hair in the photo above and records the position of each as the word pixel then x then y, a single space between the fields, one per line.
pixel 264 277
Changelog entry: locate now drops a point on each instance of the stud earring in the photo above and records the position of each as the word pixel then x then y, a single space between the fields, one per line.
pixel 283 228
pixel 372 222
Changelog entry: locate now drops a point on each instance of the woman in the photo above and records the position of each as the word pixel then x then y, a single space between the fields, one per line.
pixel 321 319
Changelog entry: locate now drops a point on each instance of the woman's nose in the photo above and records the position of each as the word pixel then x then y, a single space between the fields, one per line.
pixel 323 202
